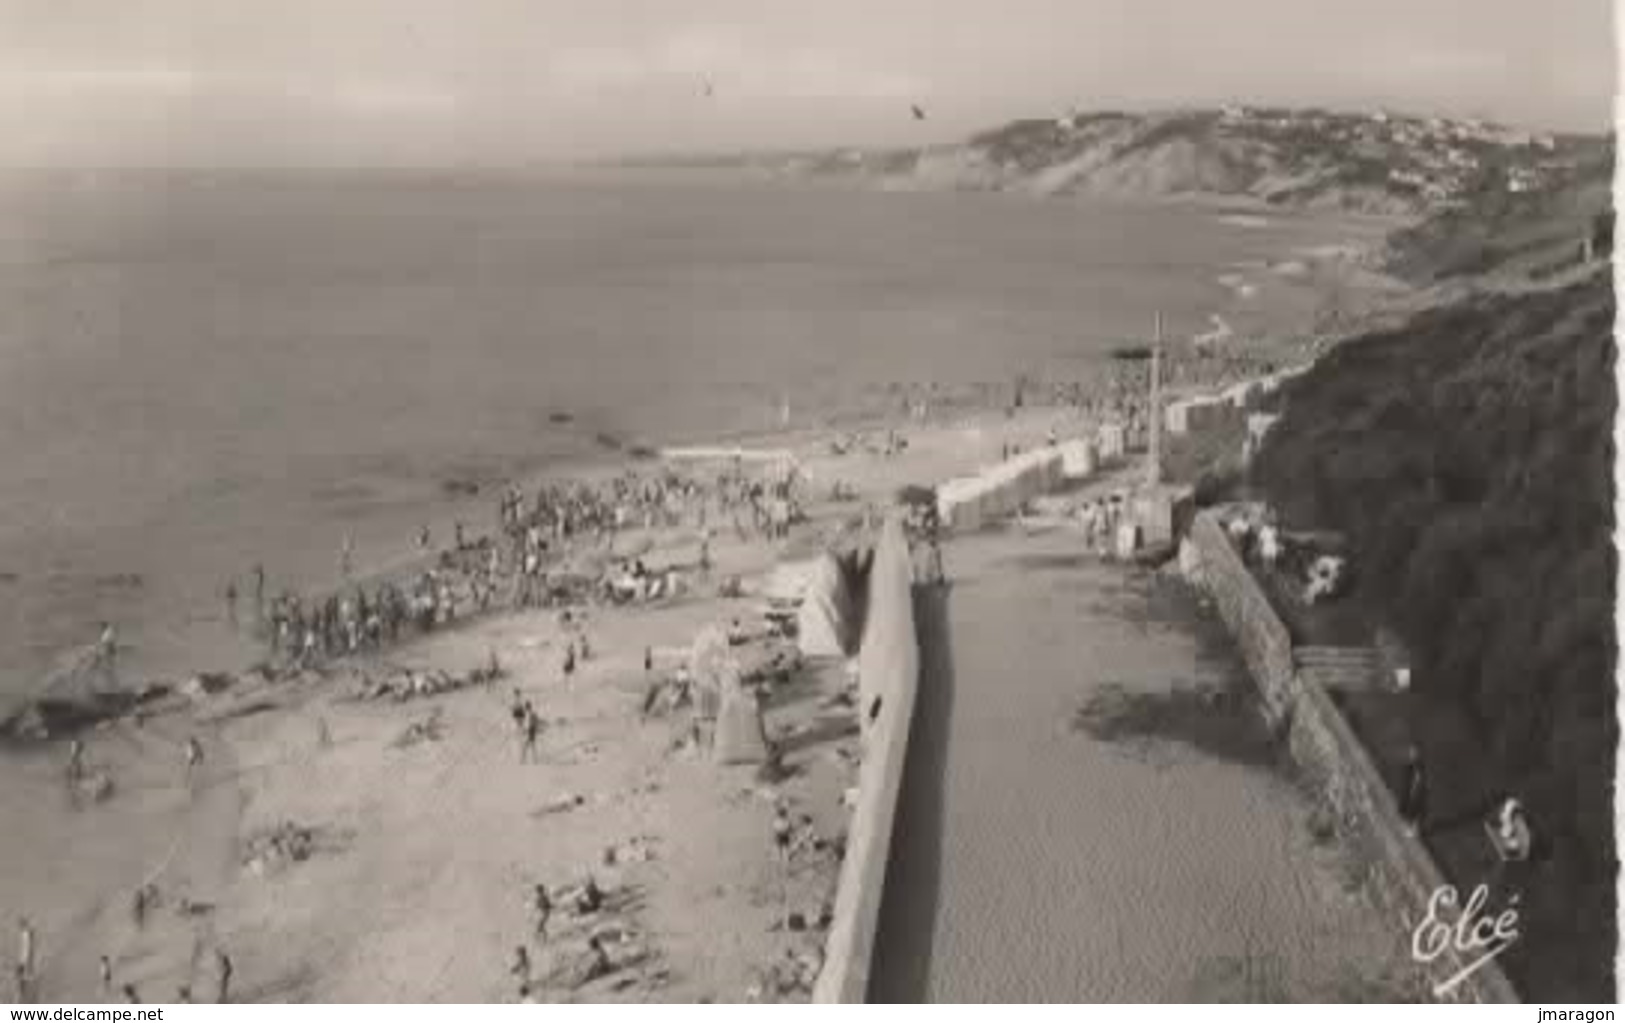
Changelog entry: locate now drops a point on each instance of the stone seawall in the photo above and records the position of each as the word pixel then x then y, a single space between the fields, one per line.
pixel 888 678
pixel 1398 872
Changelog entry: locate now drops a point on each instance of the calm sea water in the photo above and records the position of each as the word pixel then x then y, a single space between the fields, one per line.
pixel 198 373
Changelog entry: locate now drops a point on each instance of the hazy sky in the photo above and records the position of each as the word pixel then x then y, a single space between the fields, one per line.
pixel 105 82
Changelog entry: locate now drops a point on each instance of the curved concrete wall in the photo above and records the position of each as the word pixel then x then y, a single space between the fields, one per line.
pixel 888 672
pixel 1401 875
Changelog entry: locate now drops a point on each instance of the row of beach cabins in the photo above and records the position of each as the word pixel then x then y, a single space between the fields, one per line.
pixel 969 502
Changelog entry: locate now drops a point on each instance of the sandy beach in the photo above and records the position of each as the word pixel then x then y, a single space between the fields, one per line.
pixel 339 848
pixel 345 847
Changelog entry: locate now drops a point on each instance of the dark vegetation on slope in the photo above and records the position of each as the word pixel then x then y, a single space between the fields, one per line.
pixel 1534 234
pixel 1468 457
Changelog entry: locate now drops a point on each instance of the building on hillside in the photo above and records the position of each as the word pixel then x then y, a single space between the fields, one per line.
pixel 1259 425
pixel 1243 394
pixel 1523 179
pixel 1197 412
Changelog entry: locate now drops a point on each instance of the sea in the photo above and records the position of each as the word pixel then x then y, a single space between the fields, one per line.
pixel 205 371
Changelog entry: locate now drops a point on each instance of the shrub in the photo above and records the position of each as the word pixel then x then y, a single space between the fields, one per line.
pixel 1468 457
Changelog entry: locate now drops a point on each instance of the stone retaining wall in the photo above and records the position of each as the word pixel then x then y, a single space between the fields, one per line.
pixel 888 672
pixel 1399 873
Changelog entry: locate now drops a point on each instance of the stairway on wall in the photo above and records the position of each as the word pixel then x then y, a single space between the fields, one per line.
pixel 1338 668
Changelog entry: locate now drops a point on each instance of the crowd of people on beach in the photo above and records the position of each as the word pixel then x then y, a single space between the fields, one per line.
pixel 557 546
pixel 529 562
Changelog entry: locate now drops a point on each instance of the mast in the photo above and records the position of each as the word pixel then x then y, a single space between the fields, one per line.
pixel 1153 474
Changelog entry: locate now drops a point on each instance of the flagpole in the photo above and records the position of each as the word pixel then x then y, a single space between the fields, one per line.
pixel 1154 469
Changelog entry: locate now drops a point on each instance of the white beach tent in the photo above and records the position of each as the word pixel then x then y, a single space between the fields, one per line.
pixel 824 620
pixel 1077 459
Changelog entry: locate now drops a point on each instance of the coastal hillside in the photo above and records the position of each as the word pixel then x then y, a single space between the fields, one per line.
pixel 1531 234
pixel 1377 162
pixel 1468 457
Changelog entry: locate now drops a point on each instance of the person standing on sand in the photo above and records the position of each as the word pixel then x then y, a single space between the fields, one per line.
pixel 106 652
pixel 259 586
pixel 542 904
pixel 104 970
pixel 931 525
pixel 76 762
pixel 231 602
pixel 222 961
pixel 782 833
pixel 25 958
pixel 533 733
pixel 1413 791
pixel 194 757
pixel 520 967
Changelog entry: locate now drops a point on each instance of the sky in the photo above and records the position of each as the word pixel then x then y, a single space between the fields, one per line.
pixel 505 82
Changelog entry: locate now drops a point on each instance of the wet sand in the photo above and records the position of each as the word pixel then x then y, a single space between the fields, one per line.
pixel 1037 860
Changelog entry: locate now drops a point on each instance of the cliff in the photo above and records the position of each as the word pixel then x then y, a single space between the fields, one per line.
pixel 1376 163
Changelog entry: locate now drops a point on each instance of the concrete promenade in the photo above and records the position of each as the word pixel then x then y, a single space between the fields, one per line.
pixel 1037 861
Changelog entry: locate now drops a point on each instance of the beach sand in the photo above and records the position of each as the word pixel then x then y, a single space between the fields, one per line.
pixel 421 857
